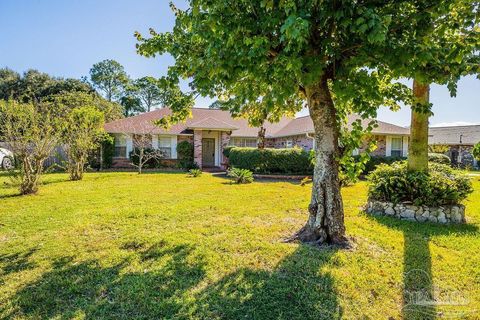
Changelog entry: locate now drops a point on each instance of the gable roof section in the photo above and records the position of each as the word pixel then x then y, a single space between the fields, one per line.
pixel 222 120
pixel 468 135
pixel 211 123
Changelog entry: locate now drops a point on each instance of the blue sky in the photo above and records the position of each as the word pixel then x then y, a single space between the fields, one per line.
pixel 66 37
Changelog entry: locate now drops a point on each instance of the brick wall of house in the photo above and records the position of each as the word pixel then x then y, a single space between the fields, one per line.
pixel 301 141
pixel 184 138
pixel 224 140
pixel 307 143
pixel 197 147
pixel 381 150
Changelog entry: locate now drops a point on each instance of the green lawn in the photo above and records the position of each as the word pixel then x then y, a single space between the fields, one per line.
pixel 162 245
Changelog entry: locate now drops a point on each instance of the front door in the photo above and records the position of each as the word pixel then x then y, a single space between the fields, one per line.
pixel 208 152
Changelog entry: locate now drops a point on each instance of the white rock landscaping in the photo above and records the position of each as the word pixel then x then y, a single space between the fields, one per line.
pixel 442 214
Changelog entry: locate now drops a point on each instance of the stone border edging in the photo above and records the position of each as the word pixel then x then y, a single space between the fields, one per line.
pixel 441 214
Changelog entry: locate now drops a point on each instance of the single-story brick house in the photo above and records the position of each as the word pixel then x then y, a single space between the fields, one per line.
pixel 211 130
pixel 460 140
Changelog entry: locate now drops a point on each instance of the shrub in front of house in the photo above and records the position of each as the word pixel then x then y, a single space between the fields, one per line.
pixel 476 151
pixel 186 156
pixel 240 176
pixel 226 151
pixel 194 173
pixel 374 161
pixel 439 158
pixel 441 185
pixel 271 161
pixel 108 149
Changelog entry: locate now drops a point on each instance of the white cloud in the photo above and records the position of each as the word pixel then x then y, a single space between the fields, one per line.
pixel 454 124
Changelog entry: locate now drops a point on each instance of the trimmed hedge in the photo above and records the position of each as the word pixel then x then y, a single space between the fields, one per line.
pixel 439 158
pixel 271 161
pixel 441 185
pixel 374 161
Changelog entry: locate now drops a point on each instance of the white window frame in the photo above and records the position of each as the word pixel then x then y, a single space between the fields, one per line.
pixel 120 141
pixel 243 142
pixel 400 150
pixel 289 143
pixel 165 143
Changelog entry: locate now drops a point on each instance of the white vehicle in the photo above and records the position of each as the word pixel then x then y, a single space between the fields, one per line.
pixel 6 159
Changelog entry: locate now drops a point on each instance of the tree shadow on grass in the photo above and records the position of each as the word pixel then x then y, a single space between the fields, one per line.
pixel 11 195
pixel 75 289
pixel 419 296
pixel 296 289
pixel 16 262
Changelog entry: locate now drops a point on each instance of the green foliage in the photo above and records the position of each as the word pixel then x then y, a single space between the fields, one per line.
pixel 226 151
pixel 148 91
pixel 439 48
pixel 63 103
pixel 240 176
pixel 132 105
pixel 35 86
pixel 374 161
pixel 271 161
pixel 439 158
pixel 441 185
pixel 438 148
pixel 194 173
pixel 82 133
pixel 259 59
pixel 31 132
pixel 305 181
pixel 185 155
pixel 108 148
pixel 109 77
pixel 476 151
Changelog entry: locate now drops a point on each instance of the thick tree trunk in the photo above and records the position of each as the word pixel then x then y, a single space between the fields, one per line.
pixel 326 220
pixel 261 138
pixel 418 147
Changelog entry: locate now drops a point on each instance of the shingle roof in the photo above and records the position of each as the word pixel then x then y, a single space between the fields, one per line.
pixel 218 119
pixel 464 135
pixel 143 123
pixel 305 125
pixel 211 123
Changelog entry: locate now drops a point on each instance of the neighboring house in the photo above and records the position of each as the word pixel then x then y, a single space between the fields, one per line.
pixel 460 140
pixel 210 131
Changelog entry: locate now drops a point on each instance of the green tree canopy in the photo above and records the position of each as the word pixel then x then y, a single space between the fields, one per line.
pixel 35 86
pixel 148 90
pixel 83 132
pixel 64 102
pixel 276 57
pixel 109 77
pixel 439 46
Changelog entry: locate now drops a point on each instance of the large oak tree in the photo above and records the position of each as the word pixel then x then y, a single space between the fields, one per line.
pixel 276 57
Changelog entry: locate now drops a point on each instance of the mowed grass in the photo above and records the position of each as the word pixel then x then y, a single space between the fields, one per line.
pixel 166 246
